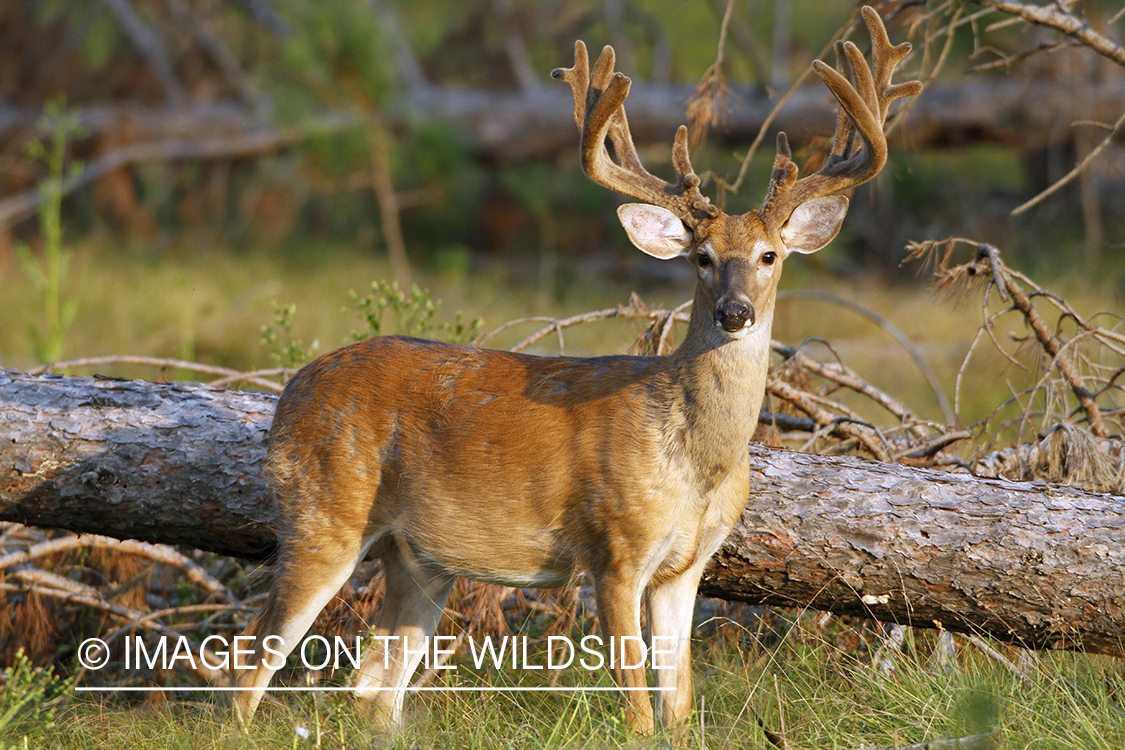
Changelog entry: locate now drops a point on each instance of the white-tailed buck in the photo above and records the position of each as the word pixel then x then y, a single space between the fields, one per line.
pixel 623 472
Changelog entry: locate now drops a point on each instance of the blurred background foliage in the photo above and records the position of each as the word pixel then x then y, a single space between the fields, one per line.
pixel 238 155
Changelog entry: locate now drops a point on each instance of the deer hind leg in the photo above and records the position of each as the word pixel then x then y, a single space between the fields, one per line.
pixel 303 584
pixel 412 607
pixel 619 609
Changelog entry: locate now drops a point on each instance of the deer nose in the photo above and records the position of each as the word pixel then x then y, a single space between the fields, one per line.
pixel 733 314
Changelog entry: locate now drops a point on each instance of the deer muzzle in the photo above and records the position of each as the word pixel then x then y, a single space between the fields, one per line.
pixel 734 313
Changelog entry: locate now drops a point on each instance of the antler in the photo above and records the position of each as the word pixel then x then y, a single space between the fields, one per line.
pixel 864 99
pixel 599 112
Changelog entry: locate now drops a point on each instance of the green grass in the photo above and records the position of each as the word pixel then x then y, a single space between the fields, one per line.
pixel 210 306
pixel 827 698
pixel 817 689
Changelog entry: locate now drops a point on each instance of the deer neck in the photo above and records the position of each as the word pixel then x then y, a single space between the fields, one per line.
pixel 721 382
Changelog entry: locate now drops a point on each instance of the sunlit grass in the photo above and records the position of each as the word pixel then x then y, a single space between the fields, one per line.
pixel 821 696
pixel 210 306
pixel 814 689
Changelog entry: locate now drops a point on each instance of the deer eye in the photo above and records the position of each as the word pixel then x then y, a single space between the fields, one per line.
pixel 769 258
pixel 703 260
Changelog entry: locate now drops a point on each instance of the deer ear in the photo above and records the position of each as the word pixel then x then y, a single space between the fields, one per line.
pixel 657 231
pixel 814 223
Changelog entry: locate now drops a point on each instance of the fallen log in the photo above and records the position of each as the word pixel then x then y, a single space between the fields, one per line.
pixel 1037 564
pixel 508 126
pixel 1028 562
pixel 176 463
pixel 513 126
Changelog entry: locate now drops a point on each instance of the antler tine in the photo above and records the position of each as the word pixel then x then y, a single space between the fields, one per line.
pixel 845 133
pixel 864 97
pixel 886 57
pixel 599 112
pixel 578 77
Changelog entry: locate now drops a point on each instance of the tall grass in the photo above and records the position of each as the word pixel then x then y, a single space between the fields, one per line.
pixel 47 274
pixel 813 689
pixel 820 695
pixel 210 306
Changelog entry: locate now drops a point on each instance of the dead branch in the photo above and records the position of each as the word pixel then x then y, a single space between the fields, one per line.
pixel 707 106
pixel 841 35
pixel 496 124
pixel 160 553
pixel 845 428
pixel 23 205
pixel 903 340
pixel 635 310
pixel 227 376
pixel 31 580
pixel 1076 171
pixel 1007 61
pixel 1010 286
pixel 1064 450
pixel 1052 344
pixel 1046 15
pixel 843 376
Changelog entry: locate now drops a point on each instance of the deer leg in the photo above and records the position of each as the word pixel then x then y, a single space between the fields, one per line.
pixel 305 579
pixel 413 602
pixel 619 609
pixel 670 608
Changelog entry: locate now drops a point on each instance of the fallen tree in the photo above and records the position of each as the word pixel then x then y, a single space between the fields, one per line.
pixel 1037 564
pixel 517 125
pixel 514 126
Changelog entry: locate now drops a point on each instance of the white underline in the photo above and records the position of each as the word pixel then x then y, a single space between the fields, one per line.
pixel 329 689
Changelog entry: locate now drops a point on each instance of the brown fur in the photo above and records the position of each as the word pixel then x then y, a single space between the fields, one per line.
pixel 626 472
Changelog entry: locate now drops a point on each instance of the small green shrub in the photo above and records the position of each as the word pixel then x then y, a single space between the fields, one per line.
pixel 386 310
pixel 29 697
pixel 286 351
pixel 410 315
pixel 48 275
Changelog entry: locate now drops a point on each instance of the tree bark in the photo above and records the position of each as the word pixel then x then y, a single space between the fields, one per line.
pixel 1042 565
pixel 1030 562
pixel 177 463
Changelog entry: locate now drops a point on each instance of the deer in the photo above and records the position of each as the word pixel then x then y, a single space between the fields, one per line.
pixel 622 472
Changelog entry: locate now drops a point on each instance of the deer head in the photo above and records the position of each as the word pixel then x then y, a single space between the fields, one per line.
pixel 739 258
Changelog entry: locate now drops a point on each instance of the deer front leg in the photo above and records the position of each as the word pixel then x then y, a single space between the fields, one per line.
pixel 619 609
pixel 670 608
